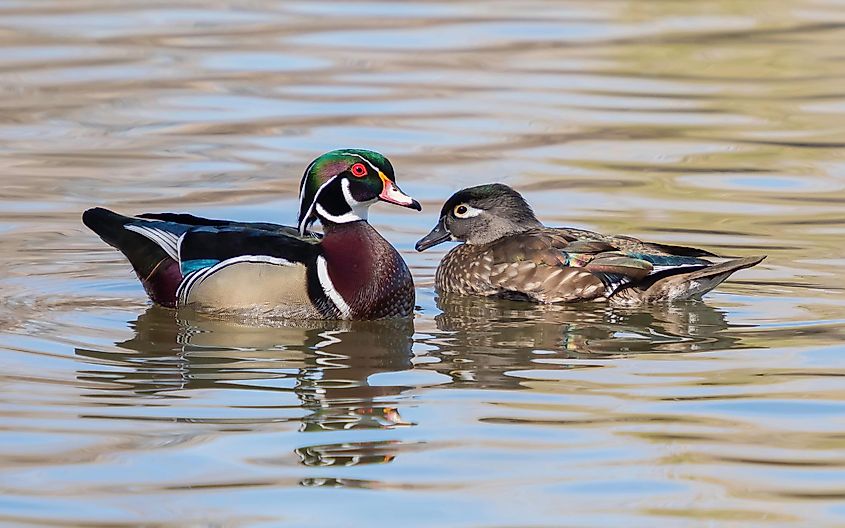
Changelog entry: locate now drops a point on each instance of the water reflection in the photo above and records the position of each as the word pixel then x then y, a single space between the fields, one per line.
pixel 489 337
pixel 714 124
pixel 325 364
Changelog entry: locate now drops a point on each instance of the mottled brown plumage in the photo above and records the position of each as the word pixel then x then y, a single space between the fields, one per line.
pixel 509 253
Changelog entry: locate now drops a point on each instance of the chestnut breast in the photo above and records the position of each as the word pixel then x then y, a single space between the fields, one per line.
pixel 367 271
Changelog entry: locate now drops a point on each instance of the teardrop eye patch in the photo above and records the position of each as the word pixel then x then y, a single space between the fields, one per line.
pixel 465 211
pixel 358 170
pixel 462 211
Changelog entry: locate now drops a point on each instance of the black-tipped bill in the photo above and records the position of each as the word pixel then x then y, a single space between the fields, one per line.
pixel 391 193
pixel 438 235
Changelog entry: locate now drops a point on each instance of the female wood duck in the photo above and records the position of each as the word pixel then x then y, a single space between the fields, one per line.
pixel 262 269
pixel 508 253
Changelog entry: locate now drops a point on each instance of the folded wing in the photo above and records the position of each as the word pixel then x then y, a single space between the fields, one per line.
pixel 554 265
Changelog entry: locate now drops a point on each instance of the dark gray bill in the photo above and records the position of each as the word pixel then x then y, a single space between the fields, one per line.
pixel 437 235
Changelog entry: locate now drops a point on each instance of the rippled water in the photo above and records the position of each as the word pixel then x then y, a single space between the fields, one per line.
pixel 710 123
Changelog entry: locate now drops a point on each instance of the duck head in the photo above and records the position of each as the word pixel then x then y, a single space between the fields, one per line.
pixel 480 215
pixel 341 185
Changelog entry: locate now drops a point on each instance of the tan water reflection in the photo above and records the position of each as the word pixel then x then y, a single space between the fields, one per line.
pixel 714 124
pixel 326 365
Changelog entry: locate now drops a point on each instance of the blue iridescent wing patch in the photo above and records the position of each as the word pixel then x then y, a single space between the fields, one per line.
pixel 190 266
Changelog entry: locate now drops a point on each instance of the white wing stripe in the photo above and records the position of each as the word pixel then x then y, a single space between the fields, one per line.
pixel 163 239
pixel 657 269
pixel 179 248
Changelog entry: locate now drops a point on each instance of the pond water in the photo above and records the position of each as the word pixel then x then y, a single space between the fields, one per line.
pixel 714 124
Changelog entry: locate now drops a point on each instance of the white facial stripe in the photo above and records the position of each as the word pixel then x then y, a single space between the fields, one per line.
pixel 362 158
pixel 304 179
pixel 342 219
pixel 360 209
pixel 310 211
pixel 358 212
pixel 347 194
pixel 329 289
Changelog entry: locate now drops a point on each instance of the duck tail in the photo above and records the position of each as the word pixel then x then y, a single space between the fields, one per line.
pixel 681 283
pixel 681 251
pixel 157 270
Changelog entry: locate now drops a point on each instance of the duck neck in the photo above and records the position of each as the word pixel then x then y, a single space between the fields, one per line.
pixel 501 227
pixel 336 205
pixel 364 268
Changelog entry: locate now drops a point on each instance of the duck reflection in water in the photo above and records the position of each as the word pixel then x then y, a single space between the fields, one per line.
pixel 326 364
pixel 489 337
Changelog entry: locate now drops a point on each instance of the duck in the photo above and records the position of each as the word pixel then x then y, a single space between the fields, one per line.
pixel 347 272
pixel 507 252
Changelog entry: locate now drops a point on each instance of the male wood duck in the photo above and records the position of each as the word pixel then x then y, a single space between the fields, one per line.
pixel 261 269
pixel 507 252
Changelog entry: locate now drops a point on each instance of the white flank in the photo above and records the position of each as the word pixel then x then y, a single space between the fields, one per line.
pixel 329 289
pixel 163 239
pixel 196 277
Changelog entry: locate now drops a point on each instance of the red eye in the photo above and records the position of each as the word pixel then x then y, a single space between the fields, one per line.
pixel 358 170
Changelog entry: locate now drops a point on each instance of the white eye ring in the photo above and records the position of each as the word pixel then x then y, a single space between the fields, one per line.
pixel 465 211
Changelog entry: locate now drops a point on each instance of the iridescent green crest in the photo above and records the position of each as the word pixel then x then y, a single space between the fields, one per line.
pixel 324 169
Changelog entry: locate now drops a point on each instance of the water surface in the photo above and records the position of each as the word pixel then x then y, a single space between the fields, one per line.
pixel 714 124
